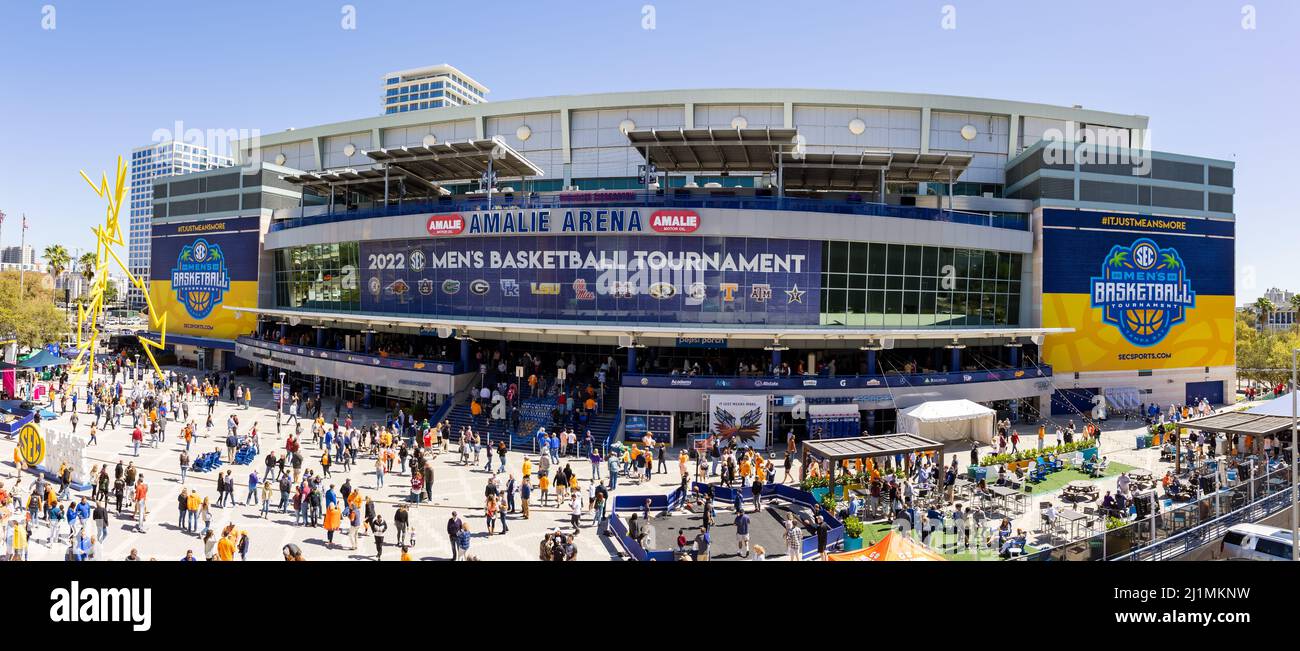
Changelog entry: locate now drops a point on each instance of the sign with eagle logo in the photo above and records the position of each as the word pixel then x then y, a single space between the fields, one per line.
pixel 740 418
pixel 200 278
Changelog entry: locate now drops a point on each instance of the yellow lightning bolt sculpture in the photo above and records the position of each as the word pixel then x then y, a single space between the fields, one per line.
pixel 106 237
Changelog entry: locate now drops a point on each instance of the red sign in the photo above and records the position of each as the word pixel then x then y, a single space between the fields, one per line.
pixel 675 221
pixel 452 224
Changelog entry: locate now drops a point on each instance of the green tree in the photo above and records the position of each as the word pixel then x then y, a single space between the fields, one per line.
pixel 58 259
pixel 32 319
pixel 1262 308
pixel 86 265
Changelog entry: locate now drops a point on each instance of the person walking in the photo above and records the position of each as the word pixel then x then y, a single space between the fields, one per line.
pixel 377 529
pixel 454 528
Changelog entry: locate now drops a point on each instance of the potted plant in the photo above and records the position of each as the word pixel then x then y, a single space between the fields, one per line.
pixel 853 529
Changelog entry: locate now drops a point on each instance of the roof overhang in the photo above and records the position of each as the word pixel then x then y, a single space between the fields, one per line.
pixel 849 336
pixel 371 182
pixel 862 171
pixel 468 160
pixel 1241 423
pixel 713 150
pixel 866 447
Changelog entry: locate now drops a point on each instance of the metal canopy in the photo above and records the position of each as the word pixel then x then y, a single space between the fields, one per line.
pixel 865 447
pixel 468 160
pixel 1239 423
pixel 863 171
pixel 369 182
pixel 713 150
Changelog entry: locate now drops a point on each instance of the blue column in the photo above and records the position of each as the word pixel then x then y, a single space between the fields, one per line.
pixel 871 421
pixel 370 341
pixel 320 337
pixel 631 359
pixel 871 364
pixel 284 330
pixel 464 355
pixel 955 362
pixel 1014 353
pixel 776 360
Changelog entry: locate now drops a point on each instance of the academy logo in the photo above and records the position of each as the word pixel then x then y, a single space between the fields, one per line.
pixel 1143 291
pixel 200 278
pixel 425 286
pixel 509 287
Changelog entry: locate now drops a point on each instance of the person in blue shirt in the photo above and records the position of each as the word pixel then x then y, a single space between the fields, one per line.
pixel 742 533
pixel 252 488
pixel 189 556
pixel 331 497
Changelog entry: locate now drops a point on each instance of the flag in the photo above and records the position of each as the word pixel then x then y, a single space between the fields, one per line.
pixel 24 221
pixel 2 217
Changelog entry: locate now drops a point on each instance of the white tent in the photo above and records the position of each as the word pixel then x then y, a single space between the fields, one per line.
pixel 1279 406
pixel 949 420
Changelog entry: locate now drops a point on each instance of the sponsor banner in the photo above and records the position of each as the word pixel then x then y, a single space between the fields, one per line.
pixel 846 382
pixel 516 221
pixel 651 279
pixel 701 342
pixel 237 237
pixel 1158 298
pixel 741 418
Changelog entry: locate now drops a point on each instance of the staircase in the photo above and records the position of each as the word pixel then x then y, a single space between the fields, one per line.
pixel 535 412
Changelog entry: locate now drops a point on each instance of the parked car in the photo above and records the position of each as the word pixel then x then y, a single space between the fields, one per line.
pixel 1256 542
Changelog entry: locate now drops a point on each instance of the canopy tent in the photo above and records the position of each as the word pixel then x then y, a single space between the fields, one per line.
pixel 949 420
pixel 1279 406
pixel 835 421
pixel 43 359
pixel 893 547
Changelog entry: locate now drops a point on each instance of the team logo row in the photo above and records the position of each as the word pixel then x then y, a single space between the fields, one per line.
pixel 509 287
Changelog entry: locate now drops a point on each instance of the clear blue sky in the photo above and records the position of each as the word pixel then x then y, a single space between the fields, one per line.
pixel 111 73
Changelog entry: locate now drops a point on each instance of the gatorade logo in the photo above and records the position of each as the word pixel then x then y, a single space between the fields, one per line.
pixel 31 445
pixel 675 221
pixel 438 225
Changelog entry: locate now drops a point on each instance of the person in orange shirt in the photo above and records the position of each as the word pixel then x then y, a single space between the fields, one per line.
pixel 333 519
pixel 226 547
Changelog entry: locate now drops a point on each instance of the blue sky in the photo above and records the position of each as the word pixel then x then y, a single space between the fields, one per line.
pixel 111 73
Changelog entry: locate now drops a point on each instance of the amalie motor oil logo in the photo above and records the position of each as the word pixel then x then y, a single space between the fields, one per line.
pixel 675 221
pixel 452 224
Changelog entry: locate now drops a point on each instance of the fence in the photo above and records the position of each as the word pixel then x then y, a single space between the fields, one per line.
pixel 1177 530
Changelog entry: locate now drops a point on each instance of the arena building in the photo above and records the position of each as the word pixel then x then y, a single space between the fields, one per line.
pixel 742 261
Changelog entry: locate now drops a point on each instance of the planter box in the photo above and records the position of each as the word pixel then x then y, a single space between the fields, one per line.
pixel 977 473
pixel 851 544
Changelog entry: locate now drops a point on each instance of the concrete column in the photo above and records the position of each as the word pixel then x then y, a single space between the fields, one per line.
pixel 871 364
pixel 320 337
pixel 871 421
pixel 955 360
pixel 776 360
pixel 464 355
pixel 1014 353
pixel 370 341
pixel 631 359
pixel 284 330
pixel 811 369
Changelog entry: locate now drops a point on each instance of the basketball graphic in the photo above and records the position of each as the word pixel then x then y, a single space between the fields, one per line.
pixel 200 278
pixel 1143 291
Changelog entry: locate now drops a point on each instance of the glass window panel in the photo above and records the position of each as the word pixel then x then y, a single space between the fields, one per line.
pixel 876 302
pixel 894 263
pixel 962 263
pixel 1015 266
pixel 1004 265
pixel 893 282
pixel 837 301
pixel 876 261
pixel 912 266
pixel 857 302
pixel 839 259
pixel 857 281
pixel 929 284
pixel 930 261
pixel 911 307
pixel 858 257
pixel 875 282
pixel 990 264
pixel 837 281
pixel 911 282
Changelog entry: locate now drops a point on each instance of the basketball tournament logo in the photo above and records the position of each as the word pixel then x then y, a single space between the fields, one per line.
pixel 200 278
pixel 1143 291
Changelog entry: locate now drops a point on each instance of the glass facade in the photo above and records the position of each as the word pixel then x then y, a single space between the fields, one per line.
pixel 321 276
pixel 898 285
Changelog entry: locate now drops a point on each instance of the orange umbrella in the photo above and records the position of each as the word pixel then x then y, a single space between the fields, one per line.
pixel 893 547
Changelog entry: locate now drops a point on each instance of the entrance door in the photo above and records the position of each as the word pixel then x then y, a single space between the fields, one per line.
pixel 1212 391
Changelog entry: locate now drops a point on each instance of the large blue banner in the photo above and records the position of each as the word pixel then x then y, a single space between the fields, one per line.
pixel 629 278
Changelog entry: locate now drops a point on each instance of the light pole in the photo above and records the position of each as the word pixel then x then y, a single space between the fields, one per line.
pixel 279 411
pixel 135 370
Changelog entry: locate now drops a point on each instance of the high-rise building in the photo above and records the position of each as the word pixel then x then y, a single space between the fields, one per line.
pixel 430 87
pixel 24 255
pixel 167 158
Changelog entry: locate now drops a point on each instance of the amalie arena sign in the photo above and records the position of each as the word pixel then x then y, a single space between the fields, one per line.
pixel 603 220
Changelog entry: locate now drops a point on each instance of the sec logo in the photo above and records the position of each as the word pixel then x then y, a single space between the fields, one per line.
pixel 31 445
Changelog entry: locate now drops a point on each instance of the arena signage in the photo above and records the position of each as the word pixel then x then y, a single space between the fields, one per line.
pixel 200 278
pixel 439 225
pixel 1143 291
pixel 675 221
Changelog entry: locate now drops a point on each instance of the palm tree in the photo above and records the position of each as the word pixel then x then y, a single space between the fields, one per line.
pixel 1263 307
pixel 87 263
pixel 58 259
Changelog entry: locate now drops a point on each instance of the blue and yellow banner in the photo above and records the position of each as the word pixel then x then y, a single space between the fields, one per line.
pixel 199 267
pixel 1141 292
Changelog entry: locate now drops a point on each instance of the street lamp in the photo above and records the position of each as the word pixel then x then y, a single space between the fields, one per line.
pixel 280 410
